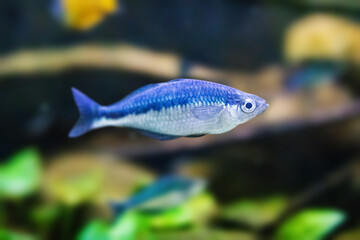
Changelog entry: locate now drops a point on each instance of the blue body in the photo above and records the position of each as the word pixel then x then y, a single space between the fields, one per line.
pixel 182 107
pixel 174 93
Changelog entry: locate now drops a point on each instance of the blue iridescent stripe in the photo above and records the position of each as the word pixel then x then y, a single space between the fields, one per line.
pixel 170 94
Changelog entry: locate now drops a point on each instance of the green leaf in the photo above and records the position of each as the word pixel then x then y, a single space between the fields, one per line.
pixel 311 224
pixel 45 214
pixel 174 218
pixel 196 210
pixel 94 230
pixel 10 235
pixel 21 175
pixel 255 212
pixel 134 225
pixel 76 178
pixel 126 227
pixel 205 234
pixel 73 183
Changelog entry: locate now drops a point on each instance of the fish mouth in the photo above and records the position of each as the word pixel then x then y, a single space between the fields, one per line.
pixel 264 108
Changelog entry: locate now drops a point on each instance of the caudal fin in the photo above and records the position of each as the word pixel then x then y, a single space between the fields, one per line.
pixel 88 111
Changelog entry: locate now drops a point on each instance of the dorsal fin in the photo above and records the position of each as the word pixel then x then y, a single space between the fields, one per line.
pixel 142 89
pixel 179 79
pixel 149 86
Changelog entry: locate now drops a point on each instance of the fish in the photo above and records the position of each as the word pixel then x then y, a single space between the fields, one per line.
pixel 82 14
pixel 166 193
pixel 312 75
pixel 169 110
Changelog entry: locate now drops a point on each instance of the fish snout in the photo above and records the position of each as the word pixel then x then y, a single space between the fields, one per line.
pixel 263 106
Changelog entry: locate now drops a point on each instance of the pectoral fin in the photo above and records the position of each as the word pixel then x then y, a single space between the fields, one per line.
pixel 206 112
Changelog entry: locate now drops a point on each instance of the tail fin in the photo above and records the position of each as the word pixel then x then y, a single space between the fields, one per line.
pixel 88 111
pixel 118 209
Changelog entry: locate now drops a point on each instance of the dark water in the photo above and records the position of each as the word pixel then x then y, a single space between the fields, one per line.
pixel 38 109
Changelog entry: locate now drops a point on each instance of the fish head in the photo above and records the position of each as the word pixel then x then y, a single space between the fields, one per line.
pixel 249 106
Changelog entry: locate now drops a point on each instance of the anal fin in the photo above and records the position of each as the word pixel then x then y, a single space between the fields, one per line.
pixel 158 136
pixel 196 135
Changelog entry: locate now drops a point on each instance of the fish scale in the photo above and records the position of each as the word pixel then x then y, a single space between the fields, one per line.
pixel 186 95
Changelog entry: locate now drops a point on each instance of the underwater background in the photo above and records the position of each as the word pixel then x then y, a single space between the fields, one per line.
pixel 292 173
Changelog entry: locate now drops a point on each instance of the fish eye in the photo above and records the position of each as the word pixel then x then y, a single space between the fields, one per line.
pixel 248 106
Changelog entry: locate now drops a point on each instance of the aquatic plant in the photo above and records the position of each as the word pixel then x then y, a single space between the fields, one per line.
pixel 21 174
pixel 255 212
pixel 310 224
pixel 136 225
pixel 76 178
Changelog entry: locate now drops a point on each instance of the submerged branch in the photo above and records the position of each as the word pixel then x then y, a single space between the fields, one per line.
pixel 118 56
pixel 121 56
pixel 131 58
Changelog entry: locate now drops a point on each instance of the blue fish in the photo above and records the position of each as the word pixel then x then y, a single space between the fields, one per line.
pixel 313 75
pixel 166 193
pixel 164 111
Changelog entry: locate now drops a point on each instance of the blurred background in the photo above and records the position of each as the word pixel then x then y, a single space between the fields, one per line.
pixel 292 173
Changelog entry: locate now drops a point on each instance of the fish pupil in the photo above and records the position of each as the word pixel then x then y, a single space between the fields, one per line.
pixel 248 105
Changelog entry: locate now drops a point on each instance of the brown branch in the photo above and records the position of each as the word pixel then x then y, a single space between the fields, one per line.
pixel 122 56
